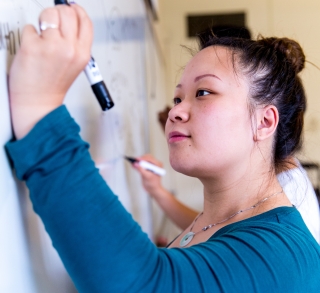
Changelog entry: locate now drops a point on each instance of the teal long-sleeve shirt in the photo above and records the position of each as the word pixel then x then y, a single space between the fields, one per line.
pixel 105 250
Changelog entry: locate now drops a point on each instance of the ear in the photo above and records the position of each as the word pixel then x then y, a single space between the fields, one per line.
pixel 267 122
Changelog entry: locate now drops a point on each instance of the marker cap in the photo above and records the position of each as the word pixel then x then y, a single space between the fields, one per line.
pixel 57 2
pixel 101 92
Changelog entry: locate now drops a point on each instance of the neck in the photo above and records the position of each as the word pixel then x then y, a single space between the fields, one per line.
pixel 224 197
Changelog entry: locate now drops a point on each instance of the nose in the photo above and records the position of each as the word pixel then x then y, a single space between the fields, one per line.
pixel 180 112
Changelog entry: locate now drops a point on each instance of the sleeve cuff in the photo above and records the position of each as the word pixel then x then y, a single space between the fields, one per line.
pixel 48 132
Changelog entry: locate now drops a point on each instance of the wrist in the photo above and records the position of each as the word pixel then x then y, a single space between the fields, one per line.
pixel 25 117
pixel 161 194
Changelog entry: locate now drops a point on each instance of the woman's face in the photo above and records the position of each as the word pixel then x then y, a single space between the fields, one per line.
pixel 209 129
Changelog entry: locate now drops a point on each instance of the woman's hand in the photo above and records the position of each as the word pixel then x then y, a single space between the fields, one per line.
pixel 47 64
pixel 150 181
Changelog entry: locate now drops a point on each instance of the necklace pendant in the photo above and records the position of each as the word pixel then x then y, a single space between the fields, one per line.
pixel 186 239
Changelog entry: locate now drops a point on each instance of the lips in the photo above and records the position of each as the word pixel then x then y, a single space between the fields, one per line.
pixel 177 136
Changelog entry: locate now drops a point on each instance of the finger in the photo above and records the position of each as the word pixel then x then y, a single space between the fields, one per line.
pixel 149 158
pixel 85 28
pixel 143 172
pixel 137 167
pixel 49 20
pixel 29 34
pixel 68 22
pixel 146 174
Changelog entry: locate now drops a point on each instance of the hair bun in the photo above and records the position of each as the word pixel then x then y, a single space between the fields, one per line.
pixel 290 48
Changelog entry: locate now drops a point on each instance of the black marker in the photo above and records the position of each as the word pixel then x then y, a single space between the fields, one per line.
pixel 148 166
pixel 93 74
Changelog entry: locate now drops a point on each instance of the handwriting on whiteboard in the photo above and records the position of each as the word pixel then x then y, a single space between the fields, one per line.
pixel 9 40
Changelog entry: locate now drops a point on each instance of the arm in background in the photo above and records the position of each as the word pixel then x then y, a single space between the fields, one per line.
pixel 179 213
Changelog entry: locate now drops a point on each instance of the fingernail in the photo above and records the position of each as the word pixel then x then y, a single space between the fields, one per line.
pixel 72 2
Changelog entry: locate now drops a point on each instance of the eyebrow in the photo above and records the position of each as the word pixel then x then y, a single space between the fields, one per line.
pixel 200 77
pixel 206 75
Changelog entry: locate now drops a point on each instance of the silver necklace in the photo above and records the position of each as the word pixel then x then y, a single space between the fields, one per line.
pixel 186 239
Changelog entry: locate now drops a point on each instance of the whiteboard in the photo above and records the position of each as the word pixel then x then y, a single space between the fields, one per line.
pixel 123 45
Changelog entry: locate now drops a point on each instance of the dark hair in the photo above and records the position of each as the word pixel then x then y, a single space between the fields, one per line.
pixel 272 66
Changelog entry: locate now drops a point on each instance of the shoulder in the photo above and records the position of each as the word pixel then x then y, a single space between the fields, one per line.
pixel 281 228
pixel 265 253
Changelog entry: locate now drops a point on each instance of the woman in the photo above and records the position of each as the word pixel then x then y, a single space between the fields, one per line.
pixel 223 130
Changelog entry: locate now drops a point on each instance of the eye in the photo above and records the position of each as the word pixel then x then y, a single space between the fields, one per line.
pixel 176 101
pixel 202 93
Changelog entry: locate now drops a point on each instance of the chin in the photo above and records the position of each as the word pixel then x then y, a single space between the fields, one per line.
pixel 181 167
pixel 197 167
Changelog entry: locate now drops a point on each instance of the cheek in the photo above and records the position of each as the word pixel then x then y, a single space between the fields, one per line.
pixel 225 130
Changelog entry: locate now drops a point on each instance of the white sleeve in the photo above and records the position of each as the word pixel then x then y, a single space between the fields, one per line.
pixel 298 188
